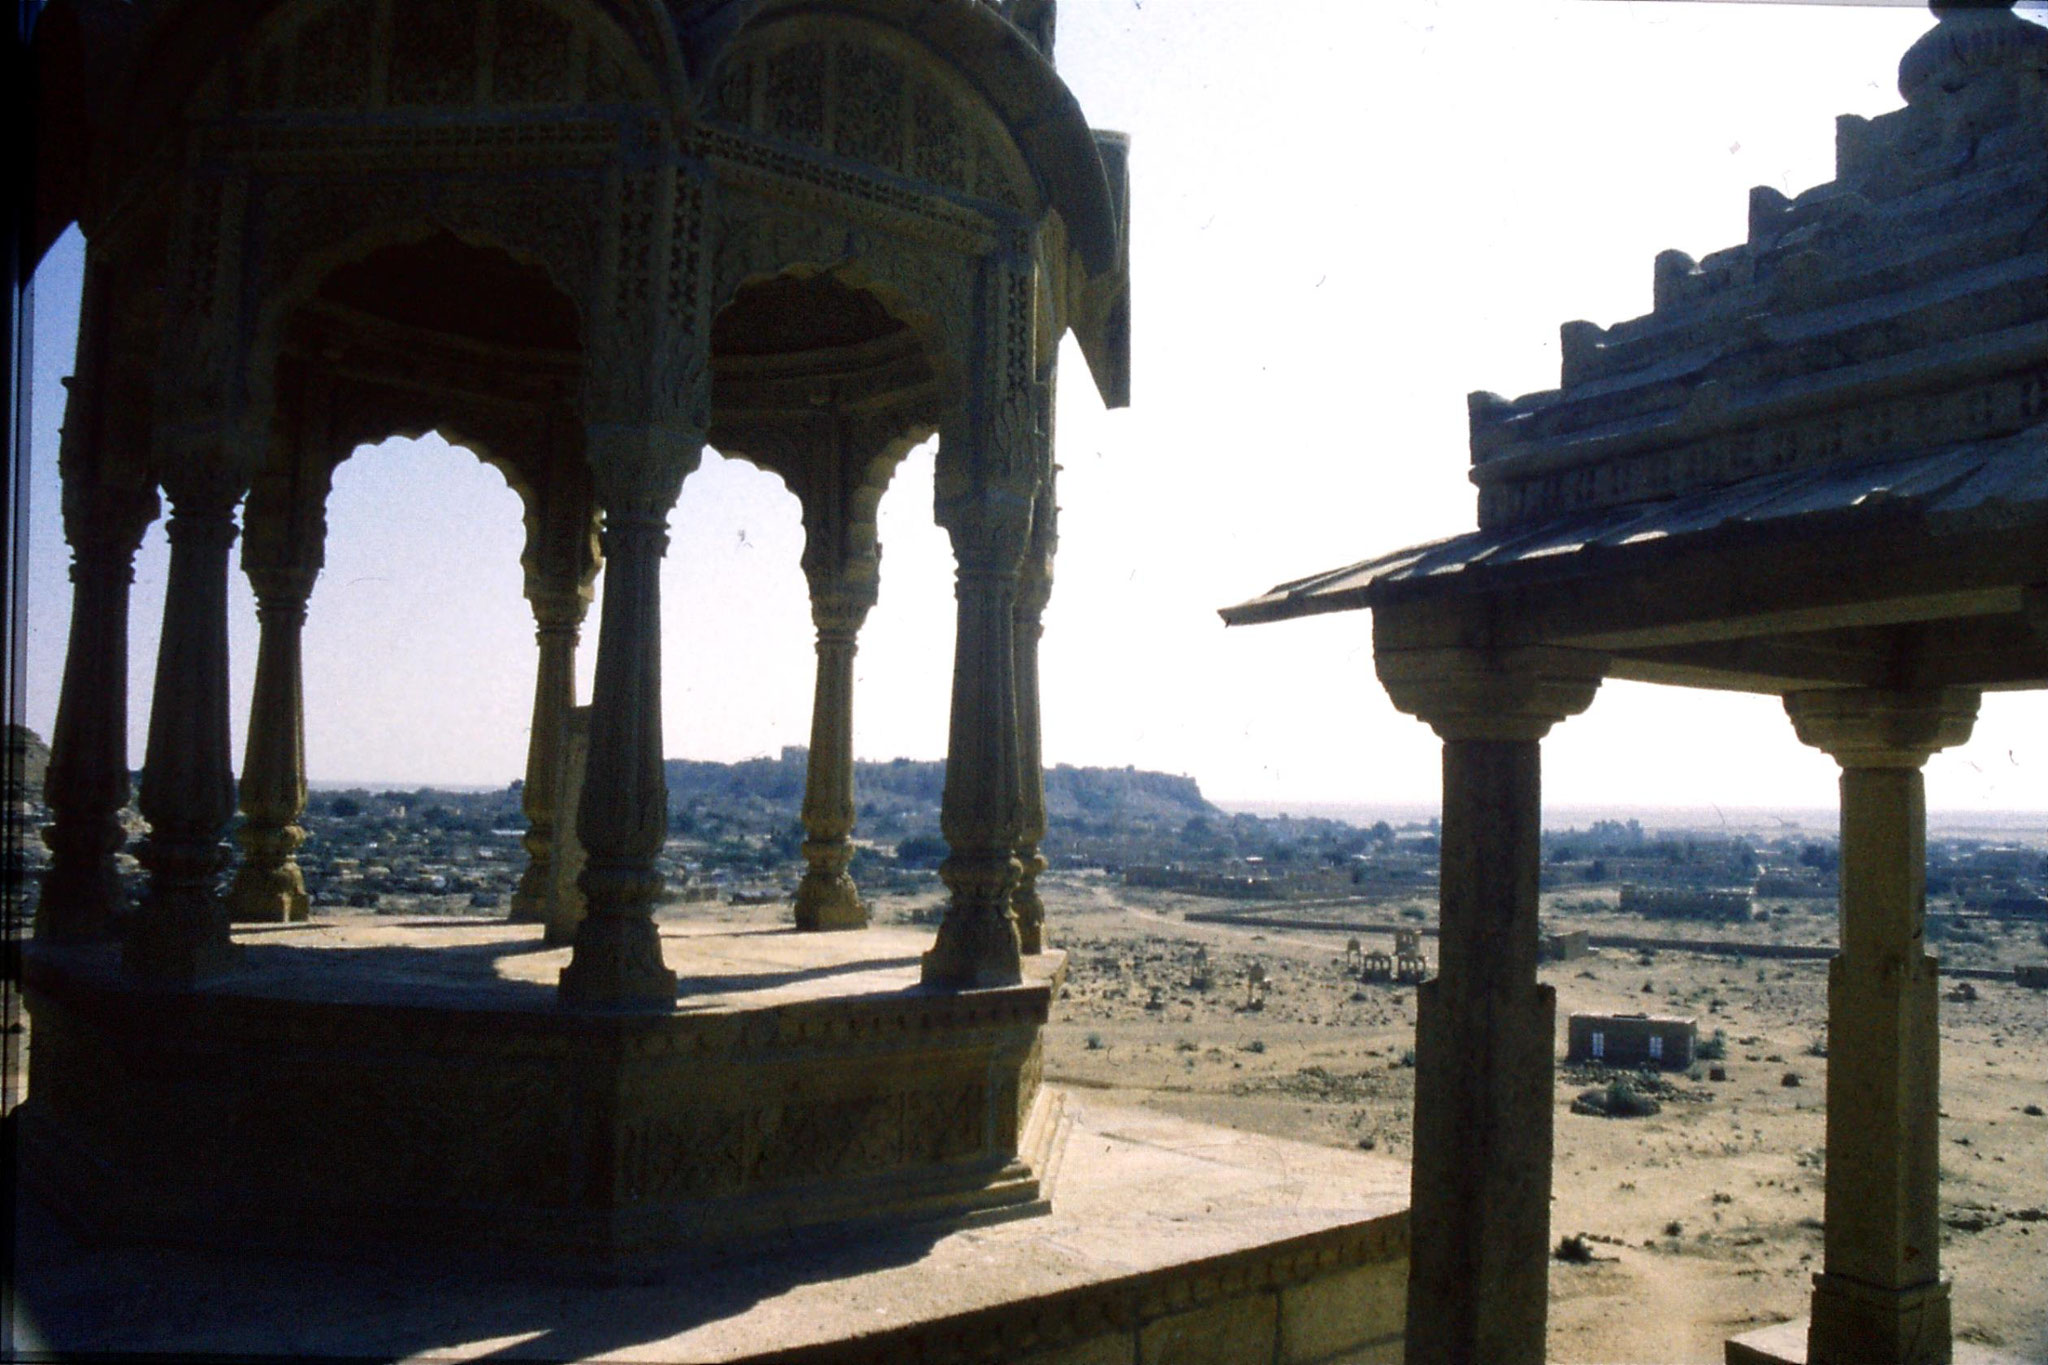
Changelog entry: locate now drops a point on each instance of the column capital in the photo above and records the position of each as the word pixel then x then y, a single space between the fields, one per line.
pixel 1508 694
pixel 1034 586
pixel 557 606
pixel 1868 727
pixel 838 609
pixel 638 468
pixel 104 523
pixel 990 529
pixel 282 585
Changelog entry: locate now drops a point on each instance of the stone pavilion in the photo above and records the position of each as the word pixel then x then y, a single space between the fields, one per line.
pixel 1817 469
pixel 585 239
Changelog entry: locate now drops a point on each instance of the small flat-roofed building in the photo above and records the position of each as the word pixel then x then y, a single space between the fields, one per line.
pixel 1567 946
pixel 1659 1040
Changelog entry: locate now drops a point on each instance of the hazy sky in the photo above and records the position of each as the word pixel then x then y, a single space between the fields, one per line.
pixel 1345 217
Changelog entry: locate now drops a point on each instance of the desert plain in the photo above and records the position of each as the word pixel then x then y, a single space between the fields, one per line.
pixel 1701 1221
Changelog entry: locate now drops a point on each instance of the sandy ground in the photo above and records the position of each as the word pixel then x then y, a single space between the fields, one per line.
pixel 1704 1219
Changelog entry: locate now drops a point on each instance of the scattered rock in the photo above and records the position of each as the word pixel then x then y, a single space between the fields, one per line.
pixel 1969 1219
pixel 1574 1250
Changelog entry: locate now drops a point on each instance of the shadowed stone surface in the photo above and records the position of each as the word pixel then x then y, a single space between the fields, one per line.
pixel 417 1082
pixel 1189 1239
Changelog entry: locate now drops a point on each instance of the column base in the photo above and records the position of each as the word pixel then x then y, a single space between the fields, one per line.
pixel 617 961
pixel 530 897
pixel 977 945
pixel 1855 1323
pixel 175 950
pixel 79 903
pixel 275 895
pixel 827 902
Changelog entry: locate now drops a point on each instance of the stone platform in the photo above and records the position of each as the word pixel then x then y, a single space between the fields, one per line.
pixel 1784 1343
pixel 367 1083
pixel 1168 1243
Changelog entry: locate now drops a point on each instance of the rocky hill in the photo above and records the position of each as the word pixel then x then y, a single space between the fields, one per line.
pixel 28 759
pixel 909 790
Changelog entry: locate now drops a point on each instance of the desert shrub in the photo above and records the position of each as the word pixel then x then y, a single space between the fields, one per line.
pixel 1624 1103
pixel 1790 1079
pixel 1713 1049
pixel 1574 1250
pixel 1094 1042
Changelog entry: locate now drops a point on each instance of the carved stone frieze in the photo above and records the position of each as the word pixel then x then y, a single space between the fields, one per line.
pixel 609 1132
pixel 865 94
pixel 1727 449
pixel 372 56
pixel 758 239
pixel 201 347
pixel 847 193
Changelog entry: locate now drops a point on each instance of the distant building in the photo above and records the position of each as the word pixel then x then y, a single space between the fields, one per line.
pixel 1632 1040
pixel 1668 902
pixel 1795 886
pixel 1567 946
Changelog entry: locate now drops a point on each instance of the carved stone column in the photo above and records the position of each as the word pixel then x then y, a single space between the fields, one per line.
pixel 1480 1200
pixel 982 809
pixel 87 782
pixel 1880 1298
pixel 622 818
pixel 180 932
pixel 268 887
pixel 827 897
pixel 558 621
pixel 646 402
pixel 1034 591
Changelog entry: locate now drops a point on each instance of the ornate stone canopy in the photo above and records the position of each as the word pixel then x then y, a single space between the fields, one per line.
pixel 583 238
pixel 1817 469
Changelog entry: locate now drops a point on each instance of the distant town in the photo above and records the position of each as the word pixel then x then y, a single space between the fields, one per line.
pixel 734 835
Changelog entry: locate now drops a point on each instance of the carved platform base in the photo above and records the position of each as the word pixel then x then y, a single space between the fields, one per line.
pixel 361 1083
pixel 1168 1241
pixel 1784 1343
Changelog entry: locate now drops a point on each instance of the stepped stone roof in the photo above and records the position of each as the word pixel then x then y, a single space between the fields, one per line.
pixel 1872 362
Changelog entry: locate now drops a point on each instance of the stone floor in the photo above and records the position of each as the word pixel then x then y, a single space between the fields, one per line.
pixel 1167 1241
pixel 488 963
